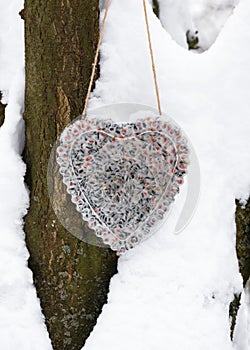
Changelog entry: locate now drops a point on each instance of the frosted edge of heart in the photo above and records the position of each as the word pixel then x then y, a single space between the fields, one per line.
pixel 92 125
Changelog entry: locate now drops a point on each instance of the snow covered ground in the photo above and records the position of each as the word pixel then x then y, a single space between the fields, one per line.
pixel 172 292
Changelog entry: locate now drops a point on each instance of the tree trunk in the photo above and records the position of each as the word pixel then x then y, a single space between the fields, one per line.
pixel 71 277
pixel 242 218
pixel 156 8
pixel 2 108
pixel 243 239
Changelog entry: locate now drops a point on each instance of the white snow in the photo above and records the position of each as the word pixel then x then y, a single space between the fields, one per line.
pixel 176 18
pixel 21 322
pixel 173 292
pixel 242 329
pixel 206 17
pixel 209 18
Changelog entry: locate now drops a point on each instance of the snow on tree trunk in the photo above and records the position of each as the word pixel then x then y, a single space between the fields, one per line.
pixel 72 278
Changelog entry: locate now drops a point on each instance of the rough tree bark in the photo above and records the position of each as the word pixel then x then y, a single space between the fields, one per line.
pixel 243 239
pixel 71 277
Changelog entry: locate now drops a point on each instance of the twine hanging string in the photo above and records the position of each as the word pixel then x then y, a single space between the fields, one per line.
pixel 97 54
pixel 152 58
pixel 95 60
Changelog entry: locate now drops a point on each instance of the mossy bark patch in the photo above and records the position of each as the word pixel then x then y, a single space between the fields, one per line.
pixel 71 277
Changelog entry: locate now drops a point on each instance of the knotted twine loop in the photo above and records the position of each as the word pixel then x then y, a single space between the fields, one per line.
pixel 97 55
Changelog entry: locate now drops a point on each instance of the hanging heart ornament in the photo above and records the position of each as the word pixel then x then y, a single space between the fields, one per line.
pixel 123 177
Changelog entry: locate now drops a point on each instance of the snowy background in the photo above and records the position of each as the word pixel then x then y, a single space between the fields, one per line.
pixel 172 292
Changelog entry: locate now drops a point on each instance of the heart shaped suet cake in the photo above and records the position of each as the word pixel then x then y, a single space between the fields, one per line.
pixel 123 176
